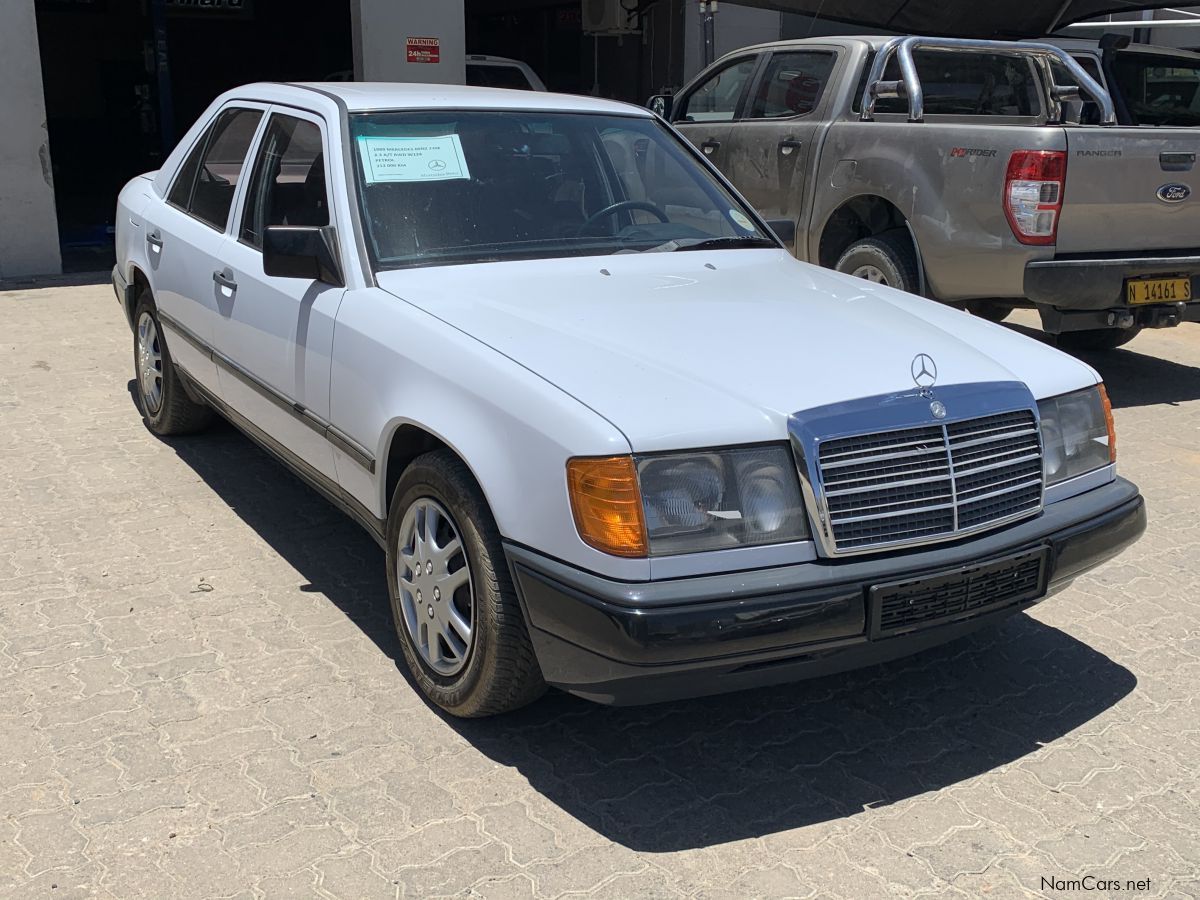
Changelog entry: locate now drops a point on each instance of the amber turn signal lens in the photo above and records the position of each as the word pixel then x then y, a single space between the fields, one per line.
pixel 607 504
pixel 1108 420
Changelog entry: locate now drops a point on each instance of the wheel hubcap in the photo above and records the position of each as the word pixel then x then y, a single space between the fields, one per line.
pixel 870 273
pixel 149 363
pixel 436 596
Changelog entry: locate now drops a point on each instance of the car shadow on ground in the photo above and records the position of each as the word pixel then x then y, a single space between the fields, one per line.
pixel 708 771
pixel 1133 378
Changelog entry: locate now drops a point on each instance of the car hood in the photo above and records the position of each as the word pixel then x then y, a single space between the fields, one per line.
pixel 960 18
pixel 706 348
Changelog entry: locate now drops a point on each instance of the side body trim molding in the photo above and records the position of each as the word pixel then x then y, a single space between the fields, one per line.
pixel 328 430
pixel 322 484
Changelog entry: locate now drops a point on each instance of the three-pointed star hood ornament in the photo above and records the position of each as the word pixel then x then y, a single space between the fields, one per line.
pixel 924 375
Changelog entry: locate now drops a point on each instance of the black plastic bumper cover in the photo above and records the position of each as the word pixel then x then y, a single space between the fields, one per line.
pixel 1099 284
pixel 644 642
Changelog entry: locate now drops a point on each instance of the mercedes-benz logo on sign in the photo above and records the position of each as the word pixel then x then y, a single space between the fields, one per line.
pixel 924 371
pixel 437 165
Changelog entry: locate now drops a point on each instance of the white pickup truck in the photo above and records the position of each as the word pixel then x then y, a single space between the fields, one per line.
pixel 611 435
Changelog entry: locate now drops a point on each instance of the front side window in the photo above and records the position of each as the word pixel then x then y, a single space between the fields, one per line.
pixel 453 187
pixel 208 178
pixel 792 84
pixel 288 186
pixel 716 100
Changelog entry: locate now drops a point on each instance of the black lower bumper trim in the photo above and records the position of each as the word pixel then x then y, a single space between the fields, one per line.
pixel 1099 284
pixel 623 643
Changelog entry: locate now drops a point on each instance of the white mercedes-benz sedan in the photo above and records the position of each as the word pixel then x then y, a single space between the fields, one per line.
pixel 612 437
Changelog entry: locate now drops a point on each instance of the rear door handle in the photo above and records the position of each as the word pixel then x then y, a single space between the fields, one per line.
pixel 788 145
pixel 709 146
pixel 154 239
pixel 1176 162
pixel 225 280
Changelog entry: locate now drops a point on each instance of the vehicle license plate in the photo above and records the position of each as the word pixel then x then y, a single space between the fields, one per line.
pixel 1158 290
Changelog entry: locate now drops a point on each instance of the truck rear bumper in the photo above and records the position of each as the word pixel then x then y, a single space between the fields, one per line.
pixel 1098 284
pixel 632 643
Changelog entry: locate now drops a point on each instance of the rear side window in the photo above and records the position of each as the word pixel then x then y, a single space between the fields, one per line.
pixel 976 84
pixel 497 77
pixel 792 85
pixel 716 100
pixel 208 178
pixel 1160 90
pixel 288 185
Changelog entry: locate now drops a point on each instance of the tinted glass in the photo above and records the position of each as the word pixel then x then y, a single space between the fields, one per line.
pixel 976 84
pixel 716 100
pixel 288 185
pixel 791 85
pixel 444 187
pixel 224 158
pixel 1159 90
pixel 497 77
pixel 181 191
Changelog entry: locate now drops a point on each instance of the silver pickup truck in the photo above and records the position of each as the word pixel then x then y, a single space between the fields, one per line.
pixel 958 169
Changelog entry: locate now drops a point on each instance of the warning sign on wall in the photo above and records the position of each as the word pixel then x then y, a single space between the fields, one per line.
pixel 424 50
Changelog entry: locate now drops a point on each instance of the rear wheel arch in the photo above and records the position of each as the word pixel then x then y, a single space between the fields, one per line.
pixel 141 285
pixel 864 216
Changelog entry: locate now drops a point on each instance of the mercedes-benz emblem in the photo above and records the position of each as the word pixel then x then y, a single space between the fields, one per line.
pixel 938 408
pixel 924 371
pixel 437 165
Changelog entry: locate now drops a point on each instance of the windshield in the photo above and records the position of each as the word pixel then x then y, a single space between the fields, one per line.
pixel 440 187
pixel 1159 90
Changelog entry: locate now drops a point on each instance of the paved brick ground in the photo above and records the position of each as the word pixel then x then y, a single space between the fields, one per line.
pixel 199 697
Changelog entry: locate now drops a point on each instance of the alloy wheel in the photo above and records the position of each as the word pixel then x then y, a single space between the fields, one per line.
pixel 149 363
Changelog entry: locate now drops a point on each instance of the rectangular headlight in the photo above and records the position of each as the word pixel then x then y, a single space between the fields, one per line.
pixel 1077 434
pixel 720 499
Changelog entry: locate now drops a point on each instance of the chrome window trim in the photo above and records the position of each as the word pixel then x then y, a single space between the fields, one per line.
pixel 883 413
pixel 1080 484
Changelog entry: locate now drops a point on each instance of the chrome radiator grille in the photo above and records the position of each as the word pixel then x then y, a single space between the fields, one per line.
pixel 932 482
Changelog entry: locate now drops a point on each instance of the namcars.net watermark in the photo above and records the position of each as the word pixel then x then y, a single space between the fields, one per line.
pixel 1097 883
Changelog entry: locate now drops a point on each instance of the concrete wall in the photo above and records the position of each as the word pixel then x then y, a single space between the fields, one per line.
pixel 736 26
pixel 28 225
pixel 382 29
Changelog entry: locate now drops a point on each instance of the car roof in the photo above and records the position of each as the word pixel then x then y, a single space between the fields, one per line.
pixel 361 96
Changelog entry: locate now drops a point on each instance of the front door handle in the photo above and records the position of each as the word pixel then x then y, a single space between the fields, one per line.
pixel 154 239
pixel 225 280
pixel 710 146
pixel 788 145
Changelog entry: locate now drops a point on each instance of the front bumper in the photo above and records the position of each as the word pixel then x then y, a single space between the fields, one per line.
pixel 1097 285
pixel 629 643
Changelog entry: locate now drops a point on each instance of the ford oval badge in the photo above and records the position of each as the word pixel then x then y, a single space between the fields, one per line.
pixel 1174 193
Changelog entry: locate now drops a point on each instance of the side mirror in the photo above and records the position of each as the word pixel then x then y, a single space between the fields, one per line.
pixel 661 105
pixel 302 251
pixel 785 229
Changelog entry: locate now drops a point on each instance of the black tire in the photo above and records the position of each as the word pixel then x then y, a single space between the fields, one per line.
pixel 172 412
pixel 992 310
pixel 500 672
pixel 891 254
pixel 1097 339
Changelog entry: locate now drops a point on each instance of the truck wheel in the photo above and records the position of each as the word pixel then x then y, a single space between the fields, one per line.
pixel 166 406
pixel 453 601
pixel 886 258
pixel 1097 339
pixel 992 310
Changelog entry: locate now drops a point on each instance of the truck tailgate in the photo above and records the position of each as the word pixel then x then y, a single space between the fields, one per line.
pixel 1115 177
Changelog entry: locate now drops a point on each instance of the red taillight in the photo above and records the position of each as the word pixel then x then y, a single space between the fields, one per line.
pixel 1033 194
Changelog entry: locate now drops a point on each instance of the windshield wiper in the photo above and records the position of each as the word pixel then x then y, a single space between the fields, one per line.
pixel 717 243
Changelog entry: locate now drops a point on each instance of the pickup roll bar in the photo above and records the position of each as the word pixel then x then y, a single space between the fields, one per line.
pixel 910 87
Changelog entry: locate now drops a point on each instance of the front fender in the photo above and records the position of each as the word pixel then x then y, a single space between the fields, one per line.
pixel 394 364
